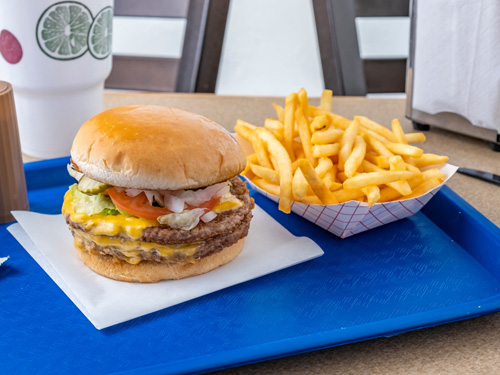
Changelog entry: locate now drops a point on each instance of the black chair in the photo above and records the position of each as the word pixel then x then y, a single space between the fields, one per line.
pixel 196 70
pixel 344 71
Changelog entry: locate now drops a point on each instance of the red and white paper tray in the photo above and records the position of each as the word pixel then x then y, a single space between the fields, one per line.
pixel 349 218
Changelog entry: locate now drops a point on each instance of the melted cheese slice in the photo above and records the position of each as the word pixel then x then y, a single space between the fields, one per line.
pixel 109 225
pixel 132 249
pixel 105 231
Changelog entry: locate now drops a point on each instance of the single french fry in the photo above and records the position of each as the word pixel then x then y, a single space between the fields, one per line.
pixel 372 194
pixel 430 159
pixel 362 180
pixel 381 161
pixel 339 121
pixel 371 167
pixel 376 127
pixel 267 186
pixel 266 173
pixel 417 179
pixel 274 162
pixel 396 163
pixel 251 159
pixel 398 132
pixel 303 102
pixel 402 187
pixel 324 165
pixel 305 134
pixel 326 100
pixel 279 134
pixel 261 152
pixel 369 132
pixel 345 195
pixel 403 149
pixel 320 151
pixel 276 149
pixel 388 194
pixel 379 147
pixel 316 183
pixel 245 132
pixel 433 173
pixel 329 181
pixel 273 124
pixel 356 157
pixel 299 185
pixel 409 160
pixel 280 112
pixel 310 199
pixel 411 167
pixel 295 165
pixel 347 142
pixel 415 137
pixel 289 124
pixel 329 135
pixel 423 188
pixel 246 123
pixel 319 123
pixel 316 111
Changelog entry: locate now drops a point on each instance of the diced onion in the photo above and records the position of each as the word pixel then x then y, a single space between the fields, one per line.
pixel 209 216
pixel 74 173
pixel 197 197
pixel 150 196
pixel 173 203
pixel 133 192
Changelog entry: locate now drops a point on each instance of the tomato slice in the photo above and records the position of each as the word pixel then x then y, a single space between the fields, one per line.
pixel 137 206
pixel 209 205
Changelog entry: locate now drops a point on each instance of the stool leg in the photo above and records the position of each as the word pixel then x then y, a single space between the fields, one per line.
pixel 495 146
pixel 421 127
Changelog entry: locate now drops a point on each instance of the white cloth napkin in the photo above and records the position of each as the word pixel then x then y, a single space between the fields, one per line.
pixel 269 247
pixel 457 59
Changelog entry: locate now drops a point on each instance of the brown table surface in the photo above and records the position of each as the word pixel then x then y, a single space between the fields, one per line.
pixel 467 347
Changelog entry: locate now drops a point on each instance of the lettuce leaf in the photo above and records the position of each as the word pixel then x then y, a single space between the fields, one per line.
pixel 92 204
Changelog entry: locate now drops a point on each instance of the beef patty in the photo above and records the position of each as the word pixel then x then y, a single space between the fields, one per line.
pixel 225 230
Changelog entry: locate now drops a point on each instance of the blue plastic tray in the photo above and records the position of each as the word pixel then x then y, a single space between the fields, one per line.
pixel 439 266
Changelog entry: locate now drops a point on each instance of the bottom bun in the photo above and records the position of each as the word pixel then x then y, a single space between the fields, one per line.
pixel 152 272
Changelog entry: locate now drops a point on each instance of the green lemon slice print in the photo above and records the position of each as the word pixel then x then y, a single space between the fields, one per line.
pixel 100 34
pixel 62 30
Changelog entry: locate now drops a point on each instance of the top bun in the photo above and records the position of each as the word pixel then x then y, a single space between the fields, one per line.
pixel 156 148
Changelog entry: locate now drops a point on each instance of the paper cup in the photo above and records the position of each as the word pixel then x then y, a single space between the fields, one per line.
pixel 56 55
pixel 349 218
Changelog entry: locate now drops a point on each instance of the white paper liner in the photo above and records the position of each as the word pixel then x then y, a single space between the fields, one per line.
pixel 269 247
pixel 349 218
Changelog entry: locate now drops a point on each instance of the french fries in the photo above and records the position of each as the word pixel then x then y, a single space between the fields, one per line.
pixel 310 154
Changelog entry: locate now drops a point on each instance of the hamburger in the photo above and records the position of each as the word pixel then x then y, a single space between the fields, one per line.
pixel 158 196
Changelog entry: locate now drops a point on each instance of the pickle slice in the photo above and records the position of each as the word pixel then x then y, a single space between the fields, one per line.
pixel 89 186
